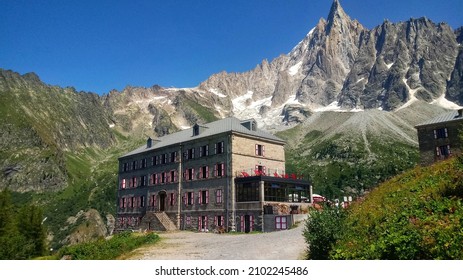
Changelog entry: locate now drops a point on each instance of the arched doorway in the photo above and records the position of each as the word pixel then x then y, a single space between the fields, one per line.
pixel 162 201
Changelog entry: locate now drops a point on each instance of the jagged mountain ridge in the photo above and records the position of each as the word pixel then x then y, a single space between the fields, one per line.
pixel 339 63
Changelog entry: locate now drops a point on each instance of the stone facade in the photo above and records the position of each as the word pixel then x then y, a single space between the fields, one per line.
pixel 439 138
pixel 190 177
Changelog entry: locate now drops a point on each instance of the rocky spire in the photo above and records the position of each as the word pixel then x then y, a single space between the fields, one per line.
pixel 337 17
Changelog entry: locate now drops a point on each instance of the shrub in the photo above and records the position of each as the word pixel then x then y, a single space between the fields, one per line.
pixel 103 249
pixel 322 229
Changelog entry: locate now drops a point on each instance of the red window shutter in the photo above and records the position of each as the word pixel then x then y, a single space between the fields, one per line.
pixel 215 170
pixel 199 197
pixel 257 149
pixel 222 219
pixel 207 149
pixel 207 171
pixel 192 173
pixel 199 222
pixel 174 198
pixel 264 170
pixel 215 221
pixel 251 218
pixel 263 150
pixel 446 133
pixel 200 151
pixel 437 151
pixel 223 169
pixel 435 134
pixel 134 182
pixel 207 197
pixel 242 223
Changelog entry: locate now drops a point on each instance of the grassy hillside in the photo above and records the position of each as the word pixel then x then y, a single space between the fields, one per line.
pixel 417 215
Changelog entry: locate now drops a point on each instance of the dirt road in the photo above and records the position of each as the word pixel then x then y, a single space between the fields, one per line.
pixel 186 245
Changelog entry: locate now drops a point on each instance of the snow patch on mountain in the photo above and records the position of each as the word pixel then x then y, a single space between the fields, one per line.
pixel 217 92
pixel 295 68
pixel 444 103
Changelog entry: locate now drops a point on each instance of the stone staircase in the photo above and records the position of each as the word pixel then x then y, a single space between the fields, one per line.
pixel 157 221
pixel 165 221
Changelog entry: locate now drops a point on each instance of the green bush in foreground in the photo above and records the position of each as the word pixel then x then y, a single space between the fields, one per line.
pixel 322 229
pixel 103 249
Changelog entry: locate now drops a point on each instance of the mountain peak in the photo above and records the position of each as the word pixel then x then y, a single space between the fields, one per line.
pixel 336 17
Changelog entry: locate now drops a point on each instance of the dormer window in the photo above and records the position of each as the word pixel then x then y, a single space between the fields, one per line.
pixel 250 124
pixel 149 142
pixel 195 130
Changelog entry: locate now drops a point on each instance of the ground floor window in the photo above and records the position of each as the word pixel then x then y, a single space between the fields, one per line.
pixel 247 223
pixel 280 222
pixel 202 223
pixel 219 220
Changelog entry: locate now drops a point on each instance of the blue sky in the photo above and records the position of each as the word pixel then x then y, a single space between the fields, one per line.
pixel 98 46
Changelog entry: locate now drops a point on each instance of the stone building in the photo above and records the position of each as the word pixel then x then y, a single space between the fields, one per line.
pixel 439 138
pixel 226 175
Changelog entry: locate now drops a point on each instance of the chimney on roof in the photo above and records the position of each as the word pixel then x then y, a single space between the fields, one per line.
pixel 149 142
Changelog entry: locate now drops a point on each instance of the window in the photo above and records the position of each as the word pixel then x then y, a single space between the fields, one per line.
pixel 202 223
pixel 280 222
pixel 134 165
pixel 163 158
pixel 143 163
pixel 163 177
pixel 142 201
pixel 203 197
pixel 188 198
pixel 195 130
pixel 173 157
pixel 155 160
pixel 441 133
pixel 123 183
pixel 443 151
pixel 152 179
pixel 172 199
pixel 153 200
pixel 189 154
pixel 219 148
pixel 173 176
pixel 218 196
pixel 219 170
pixel 219 220
pixel 125 167
pixel 260 170
pixel 247 192
pixel 260 150
pixel 144 180
pixel 189 174
pixel 204 151
pixel 204 172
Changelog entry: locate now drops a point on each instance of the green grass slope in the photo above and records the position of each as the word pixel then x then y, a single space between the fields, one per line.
pixel 416 215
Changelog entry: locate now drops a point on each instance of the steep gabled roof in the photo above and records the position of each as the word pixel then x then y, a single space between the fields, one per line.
pixel 444 118
pixel 230 124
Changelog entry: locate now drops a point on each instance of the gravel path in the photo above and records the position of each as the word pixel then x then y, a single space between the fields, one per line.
pixel 186 245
